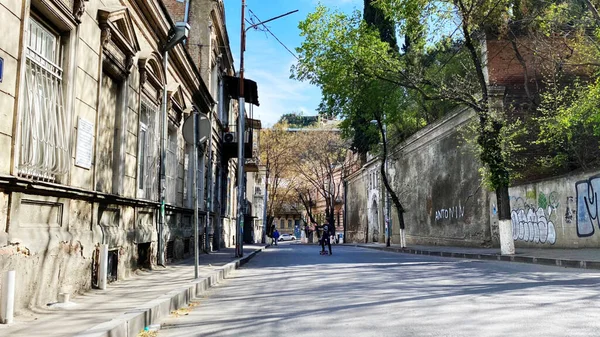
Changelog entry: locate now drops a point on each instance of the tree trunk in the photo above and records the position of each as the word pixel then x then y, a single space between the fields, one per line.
pixel 491 155
pixel 507 244
pixel 386 183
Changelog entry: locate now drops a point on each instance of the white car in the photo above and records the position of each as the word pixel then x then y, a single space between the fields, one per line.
pixel 287 237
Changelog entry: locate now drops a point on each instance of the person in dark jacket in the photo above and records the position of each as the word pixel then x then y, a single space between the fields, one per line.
pixel 275 237
pixel 326 238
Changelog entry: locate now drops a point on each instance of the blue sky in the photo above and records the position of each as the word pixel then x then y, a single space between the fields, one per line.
pixel 268 63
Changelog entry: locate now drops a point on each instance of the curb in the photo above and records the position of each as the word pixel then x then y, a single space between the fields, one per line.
pixel 566 263
pixel 135 320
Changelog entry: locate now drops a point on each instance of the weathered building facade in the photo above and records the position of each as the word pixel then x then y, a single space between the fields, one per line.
pixel 80 139
pixel 208 46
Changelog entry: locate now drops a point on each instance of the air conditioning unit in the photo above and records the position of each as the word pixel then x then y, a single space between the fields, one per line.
pixel 229 137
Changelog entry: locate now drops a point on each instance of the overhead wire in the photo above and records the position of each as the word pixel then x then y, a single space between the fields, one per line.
pixel 270 32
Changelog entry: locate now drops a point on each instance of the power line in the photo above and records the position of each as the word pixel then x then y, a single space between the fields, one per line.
pixel 270 32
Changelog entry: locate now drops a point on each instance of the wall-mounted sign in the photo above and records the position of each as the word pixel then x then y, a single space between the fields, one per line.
pixel 1 69
pixel 85 142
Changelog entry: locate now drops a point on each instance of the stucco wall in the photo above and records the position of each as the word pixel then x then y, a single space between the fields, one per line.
pixel 556 213
pixel 437 180
pixel 356 209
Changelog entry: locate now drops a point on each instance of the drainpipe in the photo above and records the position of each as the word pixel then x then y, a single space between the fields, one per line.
pixel 187 11
pixel 163 157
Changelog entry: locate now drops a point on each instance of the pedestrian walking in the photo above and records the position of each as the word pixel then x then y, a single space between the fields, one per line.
pixel 326 239
pixel 275 237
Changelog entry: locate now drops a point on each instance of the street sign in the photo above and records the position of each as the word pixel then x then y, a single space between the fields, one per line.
pixel 203 129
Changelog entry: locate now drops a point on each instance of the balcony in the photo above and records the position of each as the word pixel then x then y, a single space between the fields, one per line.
pixel 230 144
pixel 251 165
pixel 230 141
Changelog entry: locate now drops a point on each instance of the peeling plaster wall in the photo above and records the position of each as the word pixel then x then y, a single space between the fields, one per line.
pixel 50 242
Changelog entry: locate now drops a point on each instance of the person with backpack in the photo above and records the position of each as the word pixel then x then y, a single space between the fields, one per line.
pixel 326 239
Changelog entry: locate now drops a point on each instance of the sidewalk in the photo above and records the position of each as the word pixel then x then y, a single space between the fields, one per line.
pixel 126 307
pixel 587 258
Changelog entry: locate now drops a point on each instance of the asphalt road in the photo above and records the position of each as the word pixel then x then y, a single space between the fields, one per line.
pixel 290 290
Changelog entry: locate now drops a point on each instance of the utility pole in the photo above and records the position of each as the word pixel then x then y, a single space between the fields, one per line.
pixel 239 230
pixel 239 248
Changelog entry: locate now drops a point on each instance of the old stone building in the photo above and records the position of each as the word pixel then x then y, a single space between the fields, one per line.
pixel 80 133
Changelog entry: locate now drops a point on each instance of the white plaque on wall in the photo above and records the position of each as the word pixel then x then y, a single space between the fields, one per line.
pixel 85 141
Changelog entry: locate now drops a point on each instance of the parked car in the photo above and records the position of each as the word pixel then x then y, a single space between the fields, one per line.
pixel 287 237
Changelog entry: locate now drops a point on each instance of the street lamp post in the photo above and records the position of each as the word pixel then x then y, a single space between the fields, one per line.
pixel 175 36
pixel 388 220
pixel 239 248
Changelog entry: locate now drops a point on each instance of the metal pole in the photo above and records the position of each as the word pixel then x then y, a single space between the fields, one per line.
pixel 388 220
pixel 163 156
pixel 239 252
pixel 264 236
pixel 209 187
pixel 195 195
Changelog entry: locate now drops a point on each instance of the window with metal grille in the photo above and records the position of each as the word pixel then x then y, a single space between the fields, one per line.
pixel 148 151
pixel 113 265
pixel 171 250
pixel 45 125
pixel 171 171
pixel 289 223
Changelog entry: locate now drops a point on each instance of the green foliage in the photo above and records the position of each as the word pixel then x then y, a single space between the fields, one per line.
pixel 511 145
pixel 297 120
pixel 569 124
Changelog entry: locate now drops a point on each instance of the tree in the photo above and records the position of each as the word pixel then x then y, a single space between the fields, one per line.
pixel 337 55
pixel 560 78
pixel 320 167
pixel 298 120
pixel 277 154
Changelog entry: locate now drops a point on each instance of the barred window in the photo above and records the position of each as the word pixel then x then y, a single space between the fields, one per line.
pixel 148 159
pixel 45 125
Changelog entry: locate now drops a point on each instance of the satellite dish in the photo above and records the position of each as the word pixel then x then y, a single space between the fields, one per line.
pixel 203 129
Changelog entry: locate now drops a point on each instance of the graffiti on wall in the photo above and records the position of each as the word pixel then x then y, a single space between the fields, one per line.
pixel 534 221
pixel 569 211
pixel 455 212
pixel 587 205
